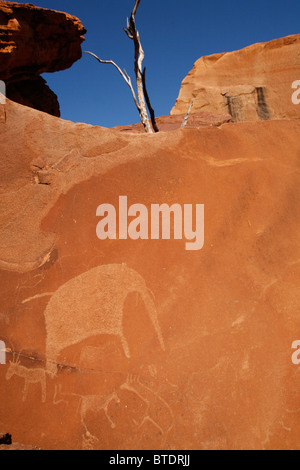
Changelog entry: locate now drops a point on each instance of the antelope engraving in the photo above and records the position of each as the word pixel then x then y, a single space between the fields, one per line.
pixel 31 376
pixel 93 404
pixel 152 400
pixel 92 304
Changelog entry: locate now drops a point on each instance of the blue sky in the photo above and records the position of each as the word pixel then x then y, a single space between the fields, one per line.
pixel 174 35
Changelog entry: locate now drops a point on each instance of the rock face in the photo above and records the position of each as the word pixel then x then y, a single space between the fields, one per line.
pixel 252 84
pixel 34 41
pixel 171 123
pixel 141 344
pixel 34 93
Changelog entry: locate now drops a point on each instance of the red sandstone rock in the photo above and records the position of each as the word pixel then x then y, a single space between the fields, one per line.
pixel 17 446
pixel 7 444
pixel 33 41
pixel 227 314
pixel 171 123
pixel 252 84
pixel 36 94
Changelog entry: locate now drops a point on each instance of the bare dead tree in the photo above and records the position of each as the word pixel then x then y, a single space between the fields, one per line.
pixel 139 55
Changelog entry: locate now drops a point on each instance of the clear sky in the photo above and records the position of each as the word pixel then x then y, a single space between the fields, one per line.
pixel 174 35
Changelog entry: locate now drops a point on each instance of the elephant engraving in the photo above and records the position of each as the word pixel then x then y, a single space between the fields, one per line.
pixel 92 304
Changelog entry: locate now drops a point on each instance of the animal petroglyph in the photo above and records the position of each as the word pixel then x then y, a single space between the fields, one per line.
pixel 151 399
pixel 96 404
pixel 92 304
pixel 157 411
pixel 31 376
pixel 93 404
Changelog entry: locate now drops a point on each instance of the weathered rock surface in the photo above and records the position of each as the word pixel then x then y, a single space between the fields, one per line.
pixel 171 123
pixel 228 314
pixel 251 84
pixel 18 447
pixel 6 443
pixel 34 41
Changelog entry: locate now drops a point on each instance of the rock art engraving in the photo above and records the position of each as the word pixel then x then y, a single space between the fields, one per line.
pixel 157 412
pixel 150 398
pixel 31 376
pixel 92 304
pixel 96 404
pixel 93 404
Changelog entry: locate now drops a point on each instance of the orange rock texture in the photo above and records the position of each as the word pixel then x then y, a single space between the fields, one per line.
pixel 141 344
pixel 252 84
pixel 34 41
pixel 171 123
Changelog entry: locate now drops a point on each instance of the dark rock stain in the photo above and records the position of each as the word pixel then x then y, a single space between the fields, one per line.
pixel 262 107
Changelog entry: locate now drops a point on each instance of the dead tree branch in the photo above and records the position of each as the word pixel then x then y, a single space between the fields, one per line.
pixel 137 4
pixel 123 74
pixel 139 55
pixel 151 110
pixel 186 117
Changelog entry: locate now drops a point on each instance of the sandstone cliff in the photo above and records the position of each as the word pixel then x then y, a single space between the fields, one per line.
pixel 34 41
pixel 251 84
pixel 139 343
pixel 227 314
